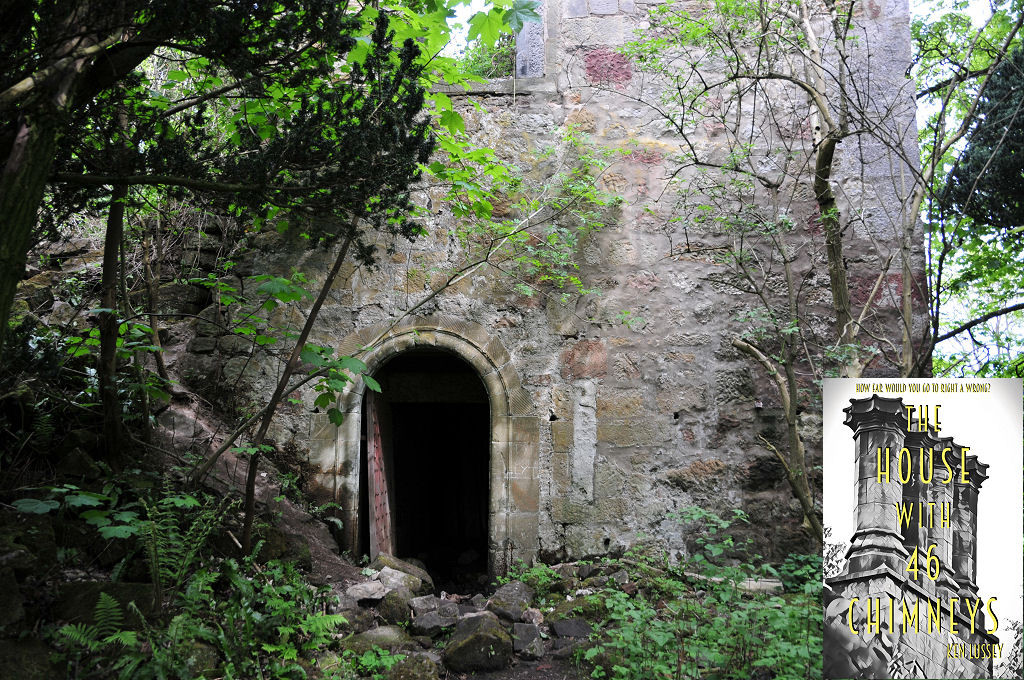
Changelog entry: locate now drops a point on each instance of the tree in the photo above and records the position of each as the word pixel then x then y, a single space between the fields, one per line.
pixel 779 107
pixel 984 183
pixel 975 265
pixel 73 68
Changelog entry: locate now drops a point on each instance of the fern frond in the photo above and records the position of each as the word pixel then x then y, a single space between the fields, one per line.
pixel 125 638
pixel 108 615
pixel 82 635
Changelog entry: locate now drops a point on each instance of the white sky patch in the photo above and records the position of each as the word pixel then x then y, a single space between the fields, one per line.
pixel 460 28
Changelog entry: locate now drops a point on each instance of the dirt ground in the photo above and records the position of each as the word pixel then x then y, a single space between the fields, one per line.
pixel 544 669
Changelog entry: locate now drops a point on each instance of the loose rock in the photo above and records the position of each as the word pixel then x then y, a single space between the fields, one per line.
pixel 571 628
pixel 369 591
pixel 392 578
pixel 427 584
pixel 527 642
pixel 423 604
pixel 431 624
pixel 479 643
pixel 511 600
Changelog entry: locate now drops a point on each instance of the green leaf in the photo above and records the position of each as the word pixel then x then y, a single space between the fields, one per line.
pixel 310 354
pixel 453 121
pixel 335 416
pixel 177 76
pixel 371 383
pixel 521 12
pixel 184 501
pixel 117 531
pixel 352 364
pixel 99 518
pixel 85 499
pixel 486 26
pixel 323 400
pixel 35 506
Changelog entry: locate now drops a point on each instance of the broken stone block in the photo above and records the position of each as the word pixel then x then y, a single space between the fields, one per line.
pixel 571 628
pixel 367 592
pixel 241 372
pixel 423 604
pixel 27 659
pixel 392 578
pixel 526 641
pixel 359 619
pixel 562 648
pixel 210 321
pixel 427 584
pixel 235 344
pixel 448 608
pixel 11 609
pixel 202 345
pixel 414 667
pixel 576 9
pixel 479 643
pixel 391 638
pixel 620 577
pixel 394 608
pixel 533 616
pixel 431 624
pixel 510 600
pixel 604 6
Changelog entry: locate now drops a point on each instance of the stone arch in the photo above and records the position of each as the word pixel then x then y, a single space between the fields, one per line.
pixel 514 494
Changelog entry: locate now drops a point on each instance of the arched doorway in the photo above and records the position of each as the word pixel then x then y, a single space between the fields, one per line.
pixel 513 433
pixel 425 465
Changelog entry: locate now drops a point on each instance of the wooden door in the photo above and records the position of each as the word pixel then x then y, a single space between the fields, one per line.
pixel 381 535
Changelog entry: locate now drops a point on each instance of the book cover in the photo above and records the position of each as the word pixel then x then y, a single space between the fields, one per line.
pixel 922 504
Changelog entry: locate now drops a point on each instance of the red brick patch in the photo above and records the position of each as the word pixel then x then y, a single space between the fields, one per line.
pixel 606 66
pixel 585 359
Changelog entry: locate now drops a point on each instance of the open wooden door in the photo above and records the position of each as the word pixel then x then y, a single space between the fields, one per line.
pixel 381 536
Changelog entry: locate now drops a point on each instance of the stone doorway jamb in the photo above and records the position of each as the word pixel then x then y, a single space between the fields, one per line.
pixel 514 494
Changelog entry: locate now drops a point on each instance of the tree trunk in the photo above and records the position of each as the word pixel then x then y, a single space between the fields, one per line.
pixel 107 365
pixel 845 327
pixel 153 293
pixel 22 183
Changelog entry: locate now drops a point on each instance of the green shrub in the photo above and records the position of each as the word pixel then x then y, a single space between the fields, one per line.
pixel 677 627
pixel 798 572
pixel 539 577
pixel 485 61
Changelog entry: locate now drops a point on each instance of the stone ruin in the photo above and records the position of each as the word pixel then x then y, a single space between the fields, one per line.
pixel 875 569
pixel 515 427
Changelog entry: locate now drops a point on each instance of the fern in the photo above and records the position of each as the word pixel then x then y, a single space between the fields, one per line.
pixel 97 638
pixel 320 626
pixel 108 616
pixel 174 537
pixel 81 635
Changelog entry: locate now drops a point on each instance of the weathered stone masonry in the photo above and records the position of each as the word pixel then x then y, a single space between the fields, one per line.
pixel 598 431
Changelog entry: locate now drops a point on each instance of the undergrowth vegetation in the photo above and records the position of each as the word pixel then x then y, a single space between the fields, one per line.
pixel 701 618
pixel 202 614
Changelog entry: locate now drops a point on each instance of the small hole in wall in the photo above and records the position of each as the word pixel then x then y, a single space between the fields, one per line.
pixel 675 416
pixel 607 543
pixel 552 418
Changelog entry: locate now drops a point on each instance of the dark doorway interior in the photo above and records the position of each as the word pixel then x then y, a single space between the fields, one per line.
pixel 435 435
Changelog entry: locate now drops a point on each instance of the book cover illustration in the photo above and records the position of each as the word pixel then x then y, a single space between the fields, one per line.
pixel 922 502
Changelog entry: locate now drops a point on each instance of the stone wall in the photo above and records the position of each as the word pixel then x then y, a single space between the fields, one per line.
pixel 600 429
